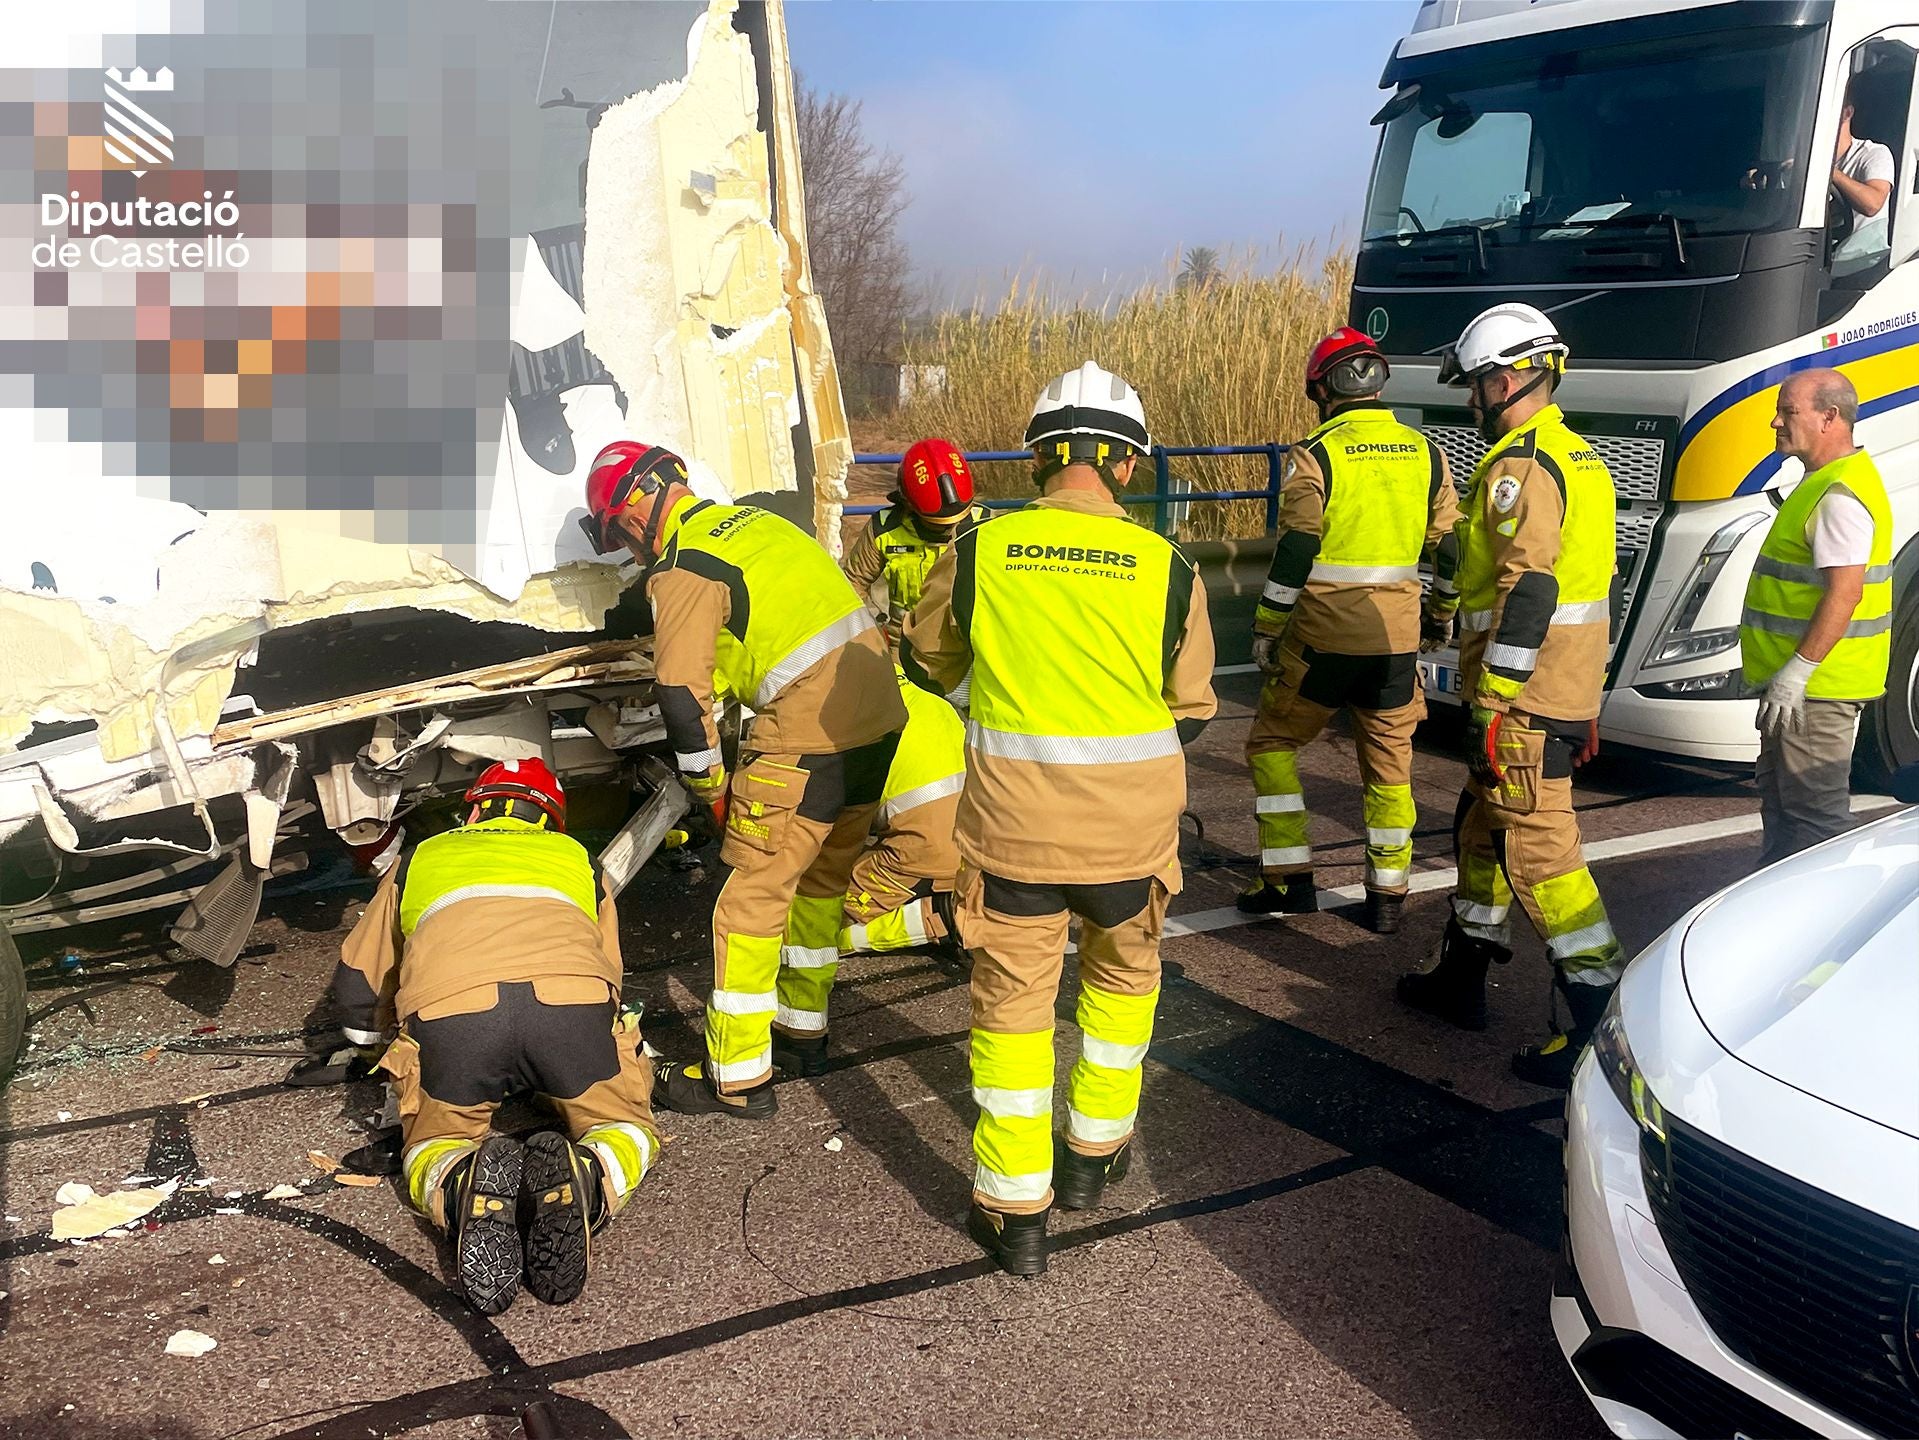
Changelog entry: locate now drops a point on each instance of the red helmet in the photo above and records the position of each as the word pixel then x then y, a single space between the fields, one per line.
pixel 622 470
pixel 1346 365
pixel 935 481
pixel 528 781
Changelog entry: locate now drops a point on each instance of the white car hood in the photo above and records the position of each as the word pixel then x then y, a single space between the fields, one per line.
pixel 1809 971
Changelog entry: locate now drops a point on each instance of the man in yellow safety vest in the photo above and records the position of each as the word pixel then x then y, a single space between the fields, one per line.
pixel 1090 657
pixel 931 507
pixel 1338 625
pixel 1816 635
pixel 1536 556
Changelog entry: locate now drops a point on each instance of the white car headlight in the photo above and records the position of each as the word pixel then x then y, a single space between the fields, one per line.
pixel 1622 1073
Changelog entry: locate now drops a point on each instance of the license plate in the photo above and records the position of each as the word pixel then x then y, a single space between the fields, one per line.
pixel 1439 679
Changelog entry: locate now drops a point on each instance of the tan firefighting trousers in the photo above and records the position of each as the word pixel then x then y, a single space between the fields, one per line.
pixel 1017 934
pixel 888 910
pixel 1520 837
pixel 1294 707
pixel 776 924
pixel 562 1038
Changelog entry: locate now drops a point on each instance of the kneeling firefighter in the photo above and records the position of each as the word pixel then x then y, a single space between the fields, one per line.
pixel 495 952
pixel 1536 557
pixel 901 896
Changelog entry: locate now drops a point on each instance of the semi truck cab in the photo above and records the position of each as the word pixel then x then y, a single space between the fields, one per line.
pixel 1656 176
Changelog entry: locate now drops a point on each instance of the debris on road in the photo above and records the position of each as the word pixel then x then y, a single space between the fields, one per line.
pixel 216 1259
pixel 74 1192
pixel 96 1214
pixel 284 1192
pixel 322 1162
pixel 835 1144
pixel 347 1177
pixel 190 1343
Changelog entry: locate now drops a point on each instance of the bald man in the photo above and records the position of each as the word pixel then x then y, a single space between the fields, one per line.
pixel 1816 634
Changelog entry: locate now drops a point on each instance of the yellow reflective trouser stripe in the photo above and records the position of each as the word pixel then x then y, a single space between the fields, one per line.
pixel 809 960
pixel 426 1166
pixel 1579 937
pixel 1390 818
pixel 1013 1139
pixel 1483 898
pixel 739 1041
pixel 625 1153
pixel 1102 1093
pixel 900 929
pixel 1281 813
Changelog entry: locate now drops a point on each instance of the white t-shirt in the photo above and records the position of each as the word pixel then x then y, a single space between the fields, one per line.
pixel 1839 531
pixel 1867 160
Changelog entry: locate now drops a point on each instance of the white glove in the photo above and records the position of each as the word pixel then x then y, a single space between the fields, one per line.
pixel 1266 653
pixel 1782 708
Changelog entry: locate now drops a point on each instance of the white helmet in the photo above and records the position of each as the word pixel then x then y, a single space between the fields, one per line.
pixel 1510 336
pixel 1087 409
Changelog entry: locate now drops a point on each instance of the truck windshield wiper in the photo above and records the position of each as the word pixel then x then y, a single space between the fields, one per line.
pixel 1453 232
pixel 1657 219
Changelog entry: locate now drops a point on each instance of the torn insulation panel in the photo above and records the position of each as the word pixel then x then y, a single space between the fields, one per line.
pixel 648 250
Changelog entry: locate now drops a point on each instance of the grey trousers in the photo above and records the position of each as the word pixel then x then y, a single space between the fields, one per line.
pixel 1804 775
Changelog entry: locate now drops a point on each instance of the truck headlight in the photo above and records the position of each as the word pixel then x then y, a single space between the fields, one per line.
pixel 1622 1074
pixel 1678 641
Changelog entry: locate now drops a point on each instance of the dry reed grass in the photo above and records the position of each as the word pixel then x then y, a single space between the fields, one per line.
pixel 1216 364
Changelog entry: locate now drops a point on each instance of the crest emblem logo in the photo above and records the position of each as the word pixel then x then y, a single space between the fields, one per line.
pixel 134 136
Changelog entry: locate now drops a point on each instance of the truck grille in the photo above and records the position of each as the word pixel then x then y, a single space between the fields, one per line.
pixel 1635 465
pixel 1816 1292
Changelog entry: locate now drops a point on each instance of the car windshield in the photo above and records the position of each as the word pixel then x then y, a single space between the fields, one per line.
pixel 1709 132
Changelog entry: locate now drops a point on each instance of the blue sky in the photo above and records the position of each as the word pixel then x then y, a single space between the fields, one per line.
pixel 1091 141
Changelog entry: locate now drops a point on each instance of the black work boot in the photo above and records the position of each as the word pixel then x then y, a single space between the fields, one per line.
pixel 1018 1242
pixel 482 1197
pixel 1551 1063
pixel 561 1196
pixel 1078 1179
pixel 1298 896
pixel 799 1055
pixel 949 946
pixel 1383 912
pixel 686 1089
pixel 1455 988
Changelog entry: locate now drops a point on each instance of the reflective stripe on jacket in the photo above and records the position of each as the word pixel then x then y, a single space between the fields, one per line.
pixel 1538 545
pixel 1785 590
pixel 930 763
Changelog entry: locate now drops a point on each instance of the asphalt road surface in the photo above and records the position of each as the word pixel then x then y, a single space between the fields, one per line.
pixel 1343 1220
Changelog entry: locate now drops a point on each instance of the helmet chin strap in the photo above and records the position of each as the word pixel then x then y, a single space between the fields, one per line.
pixel 1489 413
pixel 649 540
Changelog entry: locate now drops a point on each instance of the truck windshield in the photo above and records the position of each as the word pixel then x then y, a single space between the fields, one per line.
pixel 1708 132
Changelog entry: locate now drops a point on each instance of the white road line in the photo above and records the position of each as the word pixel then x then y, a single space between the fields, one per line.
pixel 1201 922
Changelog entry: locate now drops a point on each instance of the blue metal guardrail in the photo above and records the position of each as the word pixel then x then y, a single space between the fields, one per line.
pixel 1162 499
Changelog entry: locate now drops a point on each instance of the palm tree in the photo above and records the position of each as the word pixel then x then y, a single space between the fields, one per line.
pixel 1201 268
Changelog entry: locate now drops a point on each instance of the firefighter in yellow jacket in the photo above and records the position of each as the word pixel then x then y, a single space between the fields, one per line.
pixel 1091 663
pixel 1338 625
pixel 931 507
pixel 494 951
pixel 901 897
pixel 741 594
pixel 1536 557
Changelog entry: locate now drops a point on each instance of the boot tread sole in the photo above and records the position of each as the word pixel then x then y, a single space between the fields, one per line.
pixel 557 1236
pixel 490 1256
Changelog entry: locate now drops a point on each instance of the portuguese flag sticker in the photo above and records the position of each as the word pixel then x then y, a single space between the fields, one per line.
pixel 1828 340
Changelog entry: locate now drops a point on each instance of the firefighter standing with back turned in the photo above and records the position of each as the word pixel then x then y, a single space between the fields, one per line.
pixel 1536 557
pixel 1091 661
pixel 740 593
pixel 1338 626
pixel 496 953
pixel 931 507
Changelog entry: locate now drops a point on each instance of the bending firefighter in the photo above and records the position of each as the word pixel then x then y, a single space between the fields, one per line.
pixel 494 950
pixel 931 507
pixel 1536 560
pixel 1338 626
pixel 740 593
pixel 1091 660
pixel 901 896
